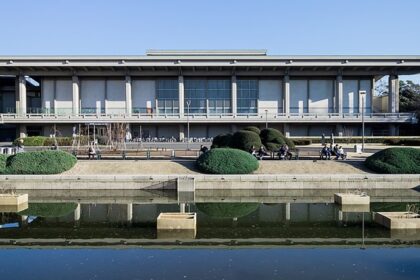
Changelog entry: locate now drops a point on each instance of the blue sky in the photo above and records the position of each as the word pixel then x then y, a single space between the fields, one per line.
pixel 282 27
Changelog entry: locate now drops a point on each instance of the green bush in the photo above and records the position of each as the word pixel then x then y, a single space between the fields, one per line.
pixel 222 141
pixel 49 141
pixel 227 161
pixel 253 129
pixel 395 161
pixel 302 142
pixel 402 142
pixel 3 164
pixel 51 210
pixel 31 141
pixel 244 140
pixel 273 139
pixel 227 210
pixel 43 162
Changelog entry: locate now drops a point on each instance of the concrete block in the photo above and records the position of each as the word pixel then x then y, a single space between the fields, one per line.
pixel 351 199
pixel 170 221
pixel 354 208
pixel 13 199
pixel 398 220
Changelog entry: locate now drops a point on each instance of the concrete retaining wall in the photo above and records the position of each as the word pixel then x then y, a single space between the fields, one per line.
pixel 342 181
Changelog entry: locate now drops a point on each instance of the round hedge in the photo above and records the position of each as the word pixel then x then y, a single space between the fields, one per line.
pixel 244 140
pixel 222 141
pixel 227 210
pixel 51 210
pixel 253 129
pixel 41 162
pixel 227 161
pixel 395 161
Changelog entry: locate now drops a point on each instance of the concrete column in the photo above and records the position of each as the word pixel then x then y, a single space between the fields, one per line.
pixel 339 130
pixel 181 95
pixel 339 94
pixel 22 131
pixel 393 94
pixel 234 96
pixel 393 130
pixel 181 132
pixel 76 95
pixel 286 128
pixel 182 207
pixel 21 102
pixel 287 211
pixel 129 212
pixel 128 97
pixel 286 90
pixel 340 216
pixel 372 93
pixel 77 213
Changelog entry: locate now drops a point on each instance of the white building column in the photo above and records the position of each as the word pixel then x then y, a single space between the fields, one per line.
pixel 21 102
pixel 286 129
pixel 129 212
pixel 286 90
pixel 77 213
pixel 287 211
pixel 22 131
pixel 76 95
pixel 234 96
pixel 181 132
pixel 339 94
pixel 128 97
pixel 181 95
pixel 393 94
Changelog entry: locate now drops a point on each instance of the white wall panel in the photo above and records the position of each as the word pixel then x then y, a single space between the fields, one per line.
pixel 350 96
pixel 270 96
pixel 47 93
pixel 91 92
pixel 321 96
pixel 63 96
pixel 367 86
pixel 298 96
pixel 115 93
pixel 142 92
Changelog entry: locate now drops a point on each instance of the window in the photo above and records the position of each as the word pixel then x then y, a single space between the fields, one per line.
pixel 247 96
pixel 217 92
pixel 167 96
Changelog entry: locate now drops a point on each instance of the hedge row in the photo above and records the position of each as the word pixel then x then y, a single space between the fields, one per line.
pixel 50 210
pixel 395 161
pixel 250 136
pixel 227 161
pixel 43 162
pixel 49 141
pixel 354 140
pixel 3 164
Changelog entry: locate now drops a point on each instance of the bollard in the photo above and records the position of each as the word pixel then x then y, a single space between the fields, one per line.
pixel 148 154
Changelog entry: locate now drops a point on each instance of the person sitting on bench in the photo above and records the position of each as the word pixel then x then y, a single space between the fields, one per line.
pixel 325 152
pixel 261 153
pixel 340 153
pixel 91 152
pixel 283 151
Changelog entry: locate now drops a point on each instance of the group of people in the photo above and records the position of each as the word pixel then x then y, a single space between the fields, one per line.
pixel 328 151
pixel 260 153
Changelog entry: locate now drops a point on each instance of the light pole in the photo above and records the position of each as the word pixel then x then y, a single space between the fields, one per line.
pixel 188 124
pixel 266 121
pixel 362 94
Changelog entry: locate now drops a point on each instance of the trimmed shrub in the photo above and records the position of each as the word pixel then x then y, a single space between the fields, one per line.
pixel 50 210
pixel 302 142
pixel 244 140
pixel 31 141
pixel 227 210
pixel 395 161
pixel 253 129
pixel 3 162
pixel 227 161
pixel 48 141
pixel 222 141
pixel 43 162
pixel 273 139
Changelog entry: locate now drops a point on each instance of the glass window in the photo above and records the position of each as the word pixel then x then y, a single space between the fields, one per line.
pixel 167 95
pixel 247 96
pixel 215 92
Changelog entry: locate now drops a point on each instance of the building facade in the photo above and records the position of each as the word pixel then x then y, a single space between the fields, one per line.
pixel 203 93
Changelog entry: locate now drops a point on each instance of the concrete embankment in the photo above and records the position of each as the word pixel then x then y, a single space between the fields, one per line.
pixel 226 182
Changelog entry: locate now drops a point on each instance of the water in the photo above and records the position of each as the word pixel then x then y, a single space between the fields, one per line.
pixel 276 235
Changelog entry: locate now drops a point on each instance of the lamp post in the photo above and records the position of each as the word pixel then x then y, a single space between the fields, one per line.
pixel 266 121
pixel 188 124
pixel 362 94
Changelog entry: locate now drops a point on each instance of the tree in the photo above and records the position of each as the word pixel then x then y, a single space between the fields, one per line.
pixel 409 97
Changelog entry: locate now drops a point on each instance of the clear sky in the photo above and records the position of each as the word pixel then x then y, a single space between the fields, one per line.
pixel 295 27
